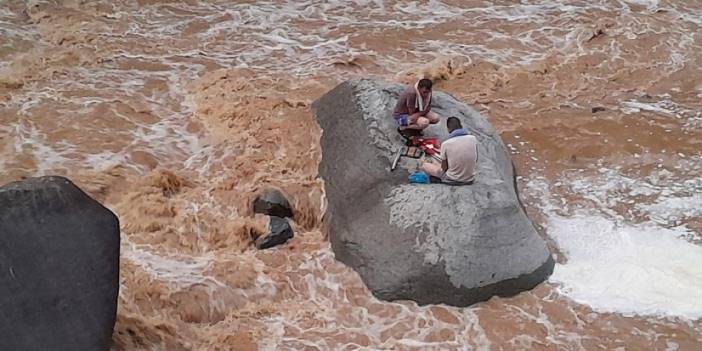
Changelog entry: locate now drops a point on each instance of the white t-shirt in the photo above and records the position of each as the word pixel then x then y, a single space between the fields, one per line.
pixel 461 153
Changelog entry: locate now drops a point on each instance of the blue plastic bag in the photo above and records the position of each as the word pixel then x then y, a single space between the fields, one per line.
pixel 419 177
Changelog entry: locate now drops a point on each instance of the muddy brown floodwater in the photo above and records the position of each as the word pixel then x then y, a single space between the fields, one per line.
pixel 174 114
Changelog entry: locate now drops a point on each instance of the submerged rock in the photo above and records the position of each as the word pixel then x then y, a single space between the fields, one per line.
pixel 272 202
pixel 59 267
pixel 279 232
pixel 430 243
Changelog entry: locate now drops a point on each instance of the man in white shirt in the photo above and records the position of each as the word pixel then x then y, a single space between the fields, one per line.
pixel 459 154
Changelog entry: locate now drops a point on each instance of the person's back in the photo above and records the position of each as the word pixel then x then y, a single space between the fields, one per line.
pixel 461 154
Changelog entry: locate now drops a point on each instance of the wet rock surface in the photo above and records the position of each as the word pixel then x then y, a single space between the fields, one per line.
pixel 279 232
pixel 272 202
pixel 430 243
pixel 59 267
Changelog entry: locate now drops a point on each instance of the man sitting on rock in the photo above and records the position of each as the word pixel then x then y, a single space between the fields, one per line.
pixel 459 153
pixel 413 109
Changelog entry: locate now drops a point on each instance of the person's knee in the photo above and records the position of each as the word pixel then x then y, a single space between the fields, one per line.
pixel 433 118
pixel 429 168
pixel 422 122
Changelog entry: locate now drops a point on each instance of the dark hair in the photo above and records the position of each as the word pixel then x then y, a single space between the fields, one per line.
pixel 424 83
pixel 453 123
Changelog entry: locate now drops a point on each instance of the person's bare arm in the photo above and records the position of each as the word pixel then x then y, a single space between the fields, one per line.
pixel 410 105
pixel 414 113
pixel 428 109
pixel 444 160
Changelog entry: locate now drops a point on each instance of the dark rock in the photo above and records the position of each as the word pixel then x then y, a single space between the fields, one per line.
pixel 59 267
pixel 430 243
pixel 273 203
pixel 598 109
pixel 279 233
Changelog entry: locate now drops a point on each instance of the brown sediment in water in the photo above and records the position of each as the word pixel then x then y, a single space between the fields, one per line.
pixel 176 114
pixel 251 128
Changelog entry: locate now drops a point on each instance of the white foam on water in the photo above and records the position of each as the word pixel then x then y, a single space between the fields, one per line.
pixel 660 196
pixel 47 157
pixel 636 261
pixel 651 5
pixel 105 160
pixel 691 117
pixel 174 271
pixel 631 269
pixel 673 208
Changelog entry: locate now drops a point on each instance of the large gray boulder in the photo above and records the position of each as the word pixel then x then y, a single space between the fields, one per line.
pixel 431 243
pixel 59 267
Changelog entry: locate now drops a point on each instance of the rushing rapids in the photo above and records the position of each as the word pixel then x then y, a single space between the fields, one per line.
pixel 174 114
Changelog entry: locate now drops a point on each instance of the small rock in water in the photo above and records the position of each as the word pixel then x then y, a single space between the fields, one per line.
pixel 279 233
pixel 272 202
pixel 646 97
pixel 598 109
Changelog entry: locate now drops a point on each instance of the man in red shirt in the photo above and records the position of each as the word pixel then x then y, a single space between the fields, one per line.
pixel 413 109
